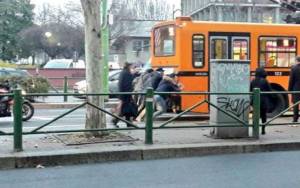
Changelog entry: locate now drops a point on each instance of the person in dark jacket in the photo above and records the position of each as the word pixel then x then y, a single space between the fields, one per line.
pixel 294 85
pixel 168 84
pixel 126 107
pixel 260 81
pixel 157 76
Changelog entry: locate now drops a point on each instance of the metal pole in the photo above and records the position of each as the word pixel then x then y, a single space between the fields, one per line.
pixel 256 112
pixel 149 117
pixel 65 88
pixel 17 109
pixel 104 45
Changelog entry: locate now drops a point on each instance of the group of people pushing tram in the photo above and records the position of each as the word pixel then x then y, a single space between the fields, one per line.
pixel 133 107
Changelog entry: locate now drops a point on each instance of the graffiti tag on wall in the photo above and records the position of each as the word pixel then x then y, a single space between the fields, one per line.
pixel 237 106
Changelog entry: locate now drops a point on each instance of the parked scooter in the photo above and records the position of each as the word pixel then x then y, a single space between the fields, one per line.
pixel 6 103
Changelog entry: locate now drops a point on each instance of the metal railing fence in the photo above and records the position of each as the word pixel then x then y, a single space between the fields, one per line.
pixel 149 106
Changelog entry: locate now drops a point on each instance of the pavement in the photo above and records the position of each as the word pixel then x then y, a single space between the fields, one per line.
pixel 48 150
pixel 42 150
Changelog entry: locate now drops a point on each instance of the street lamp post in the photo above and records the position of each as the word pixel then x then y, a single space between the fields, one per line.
pixel 104 44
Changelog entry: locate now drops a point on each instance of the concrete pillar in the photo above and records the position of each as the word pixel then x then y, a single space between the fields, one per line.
pixel 201 15
pixel 220 13
pixel 229 76
pixel 277 15
pixel 211 14
pixel 206 15
pixel 249 14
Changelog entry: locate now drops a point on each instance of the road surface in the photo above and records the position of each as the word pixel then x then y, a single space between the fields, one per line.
pixel 259 170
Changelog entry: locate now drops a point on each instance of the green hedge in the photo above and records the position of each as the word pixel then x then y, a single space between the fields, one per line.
pixel 29 84
pixel 12 65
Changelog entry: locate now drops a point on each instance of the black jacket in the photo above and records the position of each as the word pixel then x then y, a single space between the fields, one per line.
pixel 294 82
pixel 260 81
pixel 125 84
pixel 156 79
pixel 167 86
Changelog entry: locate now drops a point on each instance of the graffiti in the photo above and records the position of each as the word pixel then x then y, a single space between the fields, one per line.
pixel 237 106
pixel 227 77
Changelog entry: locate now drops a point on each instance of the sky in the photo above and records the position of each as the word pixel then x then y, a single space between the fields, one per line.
pixel 38 3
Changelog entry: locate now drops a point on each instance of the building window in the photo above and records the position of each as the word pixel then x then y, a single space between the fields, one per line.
pixel 198 51
pixel 137 45
pixel 146 45
pixel 277 51
pixel 140 45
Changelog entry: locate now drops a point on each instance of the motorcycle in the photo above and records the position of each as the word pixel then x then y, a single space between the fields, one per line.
pixel 6 103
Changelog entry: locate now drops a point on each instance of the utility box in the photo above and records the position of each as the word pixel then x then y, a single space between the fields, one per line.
pixel 229 76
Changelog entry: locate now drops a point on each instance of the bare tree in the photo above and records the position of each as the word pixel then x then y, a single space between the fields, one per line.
pixel 70 14
pixel 127 11
pixel 91 9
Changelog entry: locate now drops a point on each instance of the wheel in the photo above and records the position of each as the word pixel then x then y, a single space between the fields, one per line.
pixel 280 104
pixel 27 111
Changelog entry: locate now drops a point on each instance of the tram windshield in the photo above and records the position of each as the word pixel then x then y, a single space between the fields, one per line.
pixel 164 41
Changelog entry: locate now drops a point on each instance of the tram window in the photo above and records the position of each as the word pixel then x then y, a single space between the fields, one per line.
pixel 198 51
pixel 219 48
pixel 240 49
pixel 164 41
pixel 277 51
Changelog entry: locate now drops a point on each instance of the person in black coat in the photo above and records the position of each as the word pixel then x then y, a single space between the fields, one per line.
pixel 260 81
pixel 294 85
pixel 126 106
pixel 125 82
pixel 157 76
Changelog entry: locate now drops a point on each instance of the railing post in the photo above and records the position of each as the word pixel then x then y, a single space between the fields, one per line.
pixel 17 110
pixel 149 117
pixel 256 112
pixel 65 88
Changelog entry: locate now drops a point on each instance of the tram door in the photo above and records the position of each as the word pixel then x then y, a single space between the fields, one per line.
pixel 229 46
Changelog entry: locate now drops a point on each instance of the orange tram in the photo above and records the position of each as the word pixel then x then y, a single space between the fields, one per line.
pixel 186 47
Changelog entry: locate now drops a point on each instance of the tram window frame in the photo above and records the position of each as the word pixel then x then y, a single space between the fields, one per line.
pixel 213 47
pixel 161 52
pixel 199 52
pixel 263 52
pixel 240 39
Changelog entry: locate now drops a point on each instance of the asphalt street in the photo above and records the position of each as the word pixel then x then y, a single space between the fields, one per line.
pixel 272 170
pixel 75 120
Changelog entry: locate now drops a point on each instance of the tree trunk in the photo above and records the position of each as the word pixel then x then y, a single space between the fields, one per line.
pixel 33 59
pixel 94 118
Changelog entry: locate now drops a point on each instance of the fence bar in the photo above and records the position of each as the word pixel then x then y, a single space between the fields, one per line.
pixel 228 114
pixel 149 117
pixel 184 112
pixel 256 112
pixel 77 94
pixel 65 88
pixel 111 114
pixel 59 117
pixel 17 109
pixel 281 113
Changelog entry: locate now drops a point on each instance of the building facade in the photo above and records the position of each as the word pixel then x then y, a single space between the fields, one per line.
pixel 258 11
pixel 134 43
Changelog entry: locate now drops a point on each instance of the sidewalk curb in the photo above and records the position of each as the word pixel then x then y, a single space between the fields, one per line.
pixel 146 152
